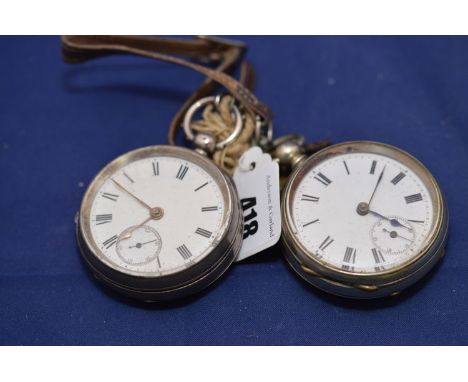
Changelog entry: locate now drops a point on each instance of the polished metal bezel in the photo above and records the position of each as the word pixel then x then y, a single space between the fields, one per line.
pixel 353 284
pixel 153 286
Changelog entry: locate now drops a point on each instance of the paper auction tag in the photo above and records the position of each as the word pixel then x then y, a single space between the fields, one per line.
pixel 257 181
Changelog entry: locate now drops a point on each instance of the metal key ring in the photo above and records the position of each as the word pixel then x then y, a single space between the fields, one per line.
pixel 199 104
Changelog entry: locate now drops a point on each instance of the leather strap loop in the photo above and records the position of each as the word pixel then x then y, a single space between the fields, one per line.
pixel 76 49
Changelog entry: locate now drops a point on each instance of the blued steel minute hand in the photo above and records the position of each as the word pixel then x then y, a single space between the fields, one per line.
pixel 376 186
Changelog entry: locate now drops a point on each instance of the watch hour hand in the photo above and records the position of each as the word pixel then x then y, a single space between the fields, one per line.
pixel 128 233
pixel 416 221
pixel 377 214
pixel 394 222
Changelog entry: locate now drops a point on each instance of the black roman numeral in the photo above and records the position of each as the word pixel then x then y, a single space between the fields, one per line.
pixel 309 198
pixel 103 219
pixel 379 259
pixel 207 209
pixel 110 242
pixel 200 187
pixel 397 178
pixel 349 258
pixel 182 171
pixel 184 252
pixel 309 223
pixel 109 196
pixel 346 167
pixel 322 179
pixel 373 166
pixel 203 232
pixel 156 168
pixel 128 177
pixel 413 198
pixel 328 240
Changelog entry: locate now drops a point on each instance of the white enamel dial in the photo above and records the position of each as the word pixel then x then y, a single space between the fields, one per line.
pixel 157 216
pixel 343 223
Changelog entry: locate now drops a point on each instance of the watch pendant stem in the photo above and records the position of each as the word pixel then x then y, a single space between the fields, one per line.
pixel 288 151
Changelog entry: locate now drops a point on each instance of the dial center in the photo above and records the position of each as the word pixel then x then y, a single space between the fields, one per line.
pixel 362 208
pixel 156 213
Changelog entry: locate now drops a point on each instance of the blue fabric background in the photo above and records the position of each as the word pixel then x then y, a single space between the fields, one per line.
pixel 60 124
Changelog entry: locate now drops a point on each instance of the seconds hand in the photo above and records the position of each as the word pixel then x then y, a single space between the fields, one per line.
pixel 139 245
pixel 394 233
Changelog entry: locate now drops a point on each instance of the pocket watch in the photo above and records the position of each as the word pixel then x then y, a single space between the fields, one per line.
pixel 362 219
pixel 160 222
pixel 164 222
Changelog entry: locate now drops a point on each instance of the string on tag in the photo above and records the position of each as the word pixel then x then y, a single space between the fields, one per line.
pixel 219 122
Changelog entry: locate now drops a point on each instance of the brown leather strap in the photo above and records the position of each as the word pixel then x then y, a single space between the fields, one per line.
pixel 226 54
